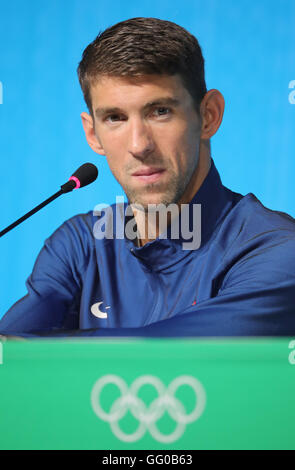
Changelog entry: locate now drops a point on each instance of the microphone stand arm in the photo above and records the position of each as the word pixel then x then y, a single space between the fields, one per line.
pixel 37 208
pixel 77 180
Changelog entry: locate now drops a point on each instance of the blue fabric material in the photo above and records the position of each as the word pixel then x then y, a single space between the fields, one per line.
pixel 239 282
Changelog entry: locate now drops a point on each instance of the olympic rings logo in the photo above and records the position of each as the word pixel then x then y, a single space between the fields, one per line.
pixel 148 416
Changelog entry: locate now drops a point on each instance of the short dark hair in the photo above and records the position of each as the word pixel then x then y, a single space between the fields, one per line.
pixel 144 46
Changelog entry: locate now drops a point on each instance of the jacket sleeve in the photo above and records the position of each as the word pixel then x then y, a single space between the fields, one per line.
pixel 53 287
pixel 256 298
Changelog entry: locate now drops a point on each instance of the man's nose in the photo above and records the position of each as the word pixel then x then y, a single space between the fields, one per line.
pixel 141 142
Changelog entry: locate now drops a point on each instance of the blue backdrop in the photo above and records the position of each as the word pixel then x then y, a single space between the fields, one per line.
pixel 249 49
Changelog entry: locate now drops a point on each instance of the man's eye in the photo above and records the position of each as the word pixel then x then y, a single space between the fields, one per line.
pixel 113 118
pixel 162 111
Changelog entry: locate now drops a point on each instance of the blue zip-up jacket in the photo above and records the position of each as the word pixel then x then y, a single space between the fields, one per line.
pixel 239 282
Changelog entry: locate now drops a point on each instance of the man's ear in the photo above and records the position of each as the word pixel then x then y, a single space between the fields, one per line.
pixel 212 109
pixel 91 137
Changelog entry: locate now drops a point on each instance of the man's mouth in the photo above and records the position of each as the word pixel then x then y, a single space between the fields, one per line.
pixel 148 175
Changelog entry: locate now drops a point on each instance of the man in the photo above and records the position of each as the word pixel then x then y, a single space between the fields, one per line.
pixel 152 116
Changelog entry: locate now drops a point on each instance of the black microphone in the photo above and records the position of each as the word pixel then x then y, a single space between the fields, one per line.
pixel 85 175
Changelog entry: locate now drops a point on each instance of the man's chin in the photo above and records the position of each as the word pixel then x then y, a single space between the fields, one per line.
pixel 154 195
pixel 148 203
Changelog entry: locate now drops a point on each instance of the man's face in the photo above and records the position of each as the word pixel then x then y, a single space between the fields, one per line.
pixel 149 131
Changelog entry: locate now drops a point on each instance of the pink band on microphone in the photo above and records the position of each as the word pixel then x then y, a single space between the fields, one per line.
pixel 78 184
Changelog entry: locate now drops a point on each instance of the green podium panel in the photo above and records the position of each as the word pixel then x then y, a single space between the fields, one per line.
pixel 147 394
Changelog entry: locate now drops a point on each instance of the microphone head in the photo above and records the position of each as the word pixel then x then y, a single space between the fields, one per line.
pixel 86 174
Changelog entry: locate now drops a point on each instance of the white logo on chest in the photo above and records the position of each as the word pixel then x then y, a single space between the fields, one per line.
pixel 95 310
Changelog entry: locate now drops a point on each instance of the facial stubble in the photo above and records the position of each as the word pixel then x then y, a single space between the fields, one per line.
pixel 172 191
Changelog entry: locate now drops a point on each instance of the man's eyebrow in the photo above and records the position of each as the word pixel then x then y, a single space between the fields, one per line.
pixel 99 112
pixel 167 101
